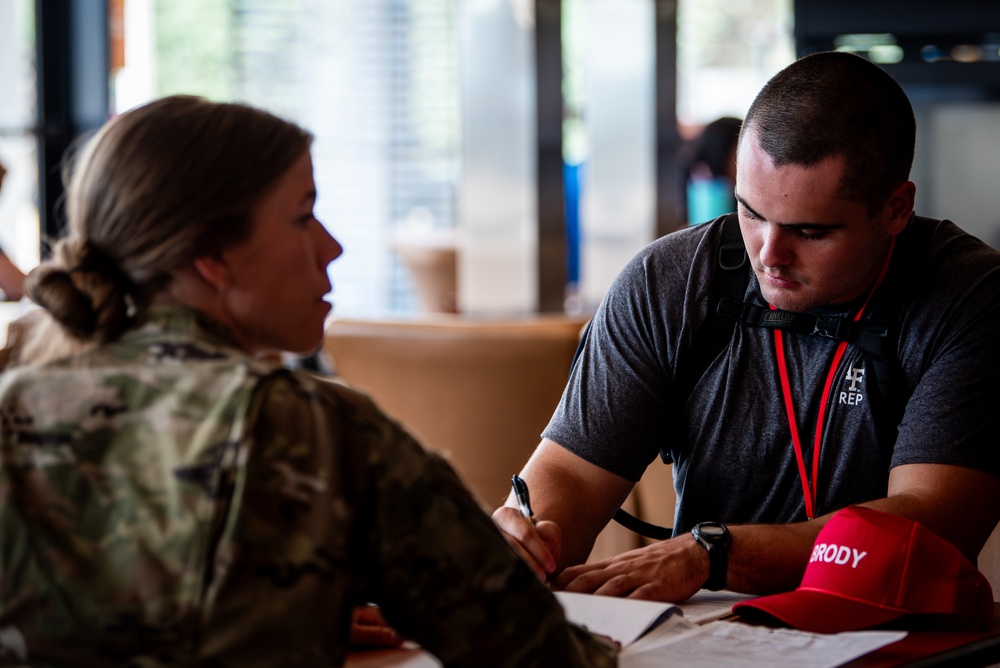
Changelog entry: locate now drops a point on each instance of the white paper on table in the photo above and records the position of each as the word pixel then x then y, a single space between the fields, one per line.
pixel 724 644
pixel 622 619
pixel 707 605
pixel 626 619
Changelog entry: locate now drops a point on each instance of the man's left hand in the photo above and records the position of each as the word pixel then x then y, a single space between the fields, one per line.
pixel 671 570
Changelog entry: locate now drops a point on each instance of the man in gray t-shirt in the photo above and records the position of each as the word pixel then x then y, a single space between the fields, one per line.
pixel 782 429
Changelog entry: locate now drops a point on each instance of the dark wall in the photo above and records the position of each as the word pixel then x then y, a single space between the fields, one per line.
pixel 927 31
pixel 72 65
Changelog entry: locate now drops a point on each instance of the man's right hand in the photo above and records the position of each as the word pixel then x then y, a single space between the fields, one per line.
pixel 538 545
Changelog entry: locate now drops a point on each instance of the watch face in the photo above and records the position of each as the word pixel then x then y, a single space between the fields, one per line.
pixel 711 530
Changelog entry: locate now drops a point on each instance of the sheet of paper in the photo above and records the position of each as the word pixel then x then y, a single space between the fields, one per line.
pixel 623 619
pixel 707 605
pixel 627 619
pixel 723 644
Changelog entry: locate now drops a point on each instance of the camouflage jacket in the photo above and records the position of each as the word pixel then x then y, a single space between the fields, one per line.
pixel 166 500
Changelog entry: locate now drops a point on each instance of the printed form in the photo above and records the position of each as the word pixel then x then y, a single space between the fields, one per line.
pixel 652 632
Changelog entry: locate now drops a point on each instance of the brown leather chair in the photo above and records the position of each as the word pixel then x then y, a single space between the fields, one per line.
pixel 989 562
pixel 479 391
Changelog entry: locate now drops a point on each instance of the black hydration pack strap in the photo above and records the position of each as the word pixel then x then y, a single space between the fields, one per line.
pixel 634 524
pixel 867 335
pixel 729 281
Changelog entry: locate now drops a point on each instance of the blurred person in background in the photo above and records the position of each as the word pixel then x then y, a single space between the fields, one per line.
pixel 711 171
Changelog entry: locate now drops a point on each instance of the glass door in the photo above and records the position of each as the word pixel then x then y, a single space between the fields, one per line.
pixel 19 230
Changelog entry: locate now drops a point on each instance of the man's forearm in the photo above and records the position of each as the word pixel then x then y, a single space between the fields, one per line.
pixel 575 494
pixel 770 558
pixel 958 504
pixel 765 558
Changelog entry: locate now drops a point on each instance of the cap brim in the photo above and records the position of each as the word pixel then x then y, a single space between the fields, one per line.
pixel 820 612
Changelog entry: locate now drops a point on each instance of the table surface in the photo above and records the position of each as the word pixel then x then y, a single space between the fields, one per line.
pixel 939 648
pixel 920 649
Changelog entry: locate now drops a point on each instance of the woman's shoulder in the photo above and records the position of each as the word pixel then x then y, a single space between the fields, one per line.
pixel 296 396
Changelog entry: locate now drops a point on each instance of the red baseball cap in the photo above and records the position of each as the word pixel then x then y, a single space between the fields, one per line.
pixel 868 567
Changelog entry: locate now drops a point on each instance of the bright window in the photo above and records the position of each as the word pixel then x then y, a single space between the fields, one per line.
pixel 376 82
pixel 19 236
pixel 726 51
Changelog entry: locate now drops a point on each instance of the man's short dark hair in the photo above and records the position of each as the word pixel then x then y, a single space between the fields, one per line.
pixel 830 104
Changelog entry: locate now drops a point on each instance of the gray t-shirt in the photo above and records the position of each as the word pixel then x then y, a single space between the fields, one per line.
pixel 730 438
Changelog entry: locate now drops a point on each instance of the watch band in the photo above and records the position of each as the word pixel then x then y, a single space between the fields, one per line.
pixel 715 538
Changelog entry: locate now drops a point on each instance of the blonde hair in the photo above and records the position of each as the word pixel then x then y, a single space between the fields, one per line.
pixel 154 189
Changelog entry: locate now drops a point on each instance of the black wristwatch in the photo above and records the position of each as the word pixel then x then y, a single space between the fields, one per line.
pixel 715 538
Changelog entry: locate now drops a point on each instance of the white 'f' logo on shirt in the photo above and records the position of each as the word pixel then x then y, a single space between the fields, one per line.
pixel 855 375
pixel 853 395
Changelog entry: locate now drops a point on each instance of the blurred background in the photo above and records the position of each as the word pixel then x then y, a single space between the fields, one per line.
pixel 489 157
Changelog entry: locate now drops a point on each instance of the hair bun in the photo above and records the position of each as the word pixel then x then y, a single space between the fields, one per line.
pixel 54 289
pixel 89 299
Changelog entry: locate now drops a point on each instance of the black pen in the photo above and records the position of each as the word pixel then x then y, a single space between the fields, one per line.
pixel 523 500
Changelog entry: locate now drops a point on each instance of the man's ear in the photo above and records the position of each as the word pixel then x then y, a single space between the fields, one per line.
pixel 214 270
pixel 900 207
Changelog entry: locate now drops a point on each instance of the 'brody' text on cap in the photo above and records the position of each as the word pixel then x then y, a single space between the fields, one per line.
pixel 837 554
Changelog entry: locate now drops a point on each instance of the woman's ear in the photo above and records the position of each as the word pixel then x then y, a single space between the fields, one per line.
pixel 214 270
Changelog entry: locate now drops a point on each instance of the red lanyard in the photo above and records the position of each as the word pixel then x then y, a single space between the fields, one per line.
pixel 809 492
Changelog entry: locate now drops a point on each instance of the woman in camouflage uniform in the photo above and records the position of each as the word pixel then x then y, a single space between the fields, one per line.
pixel 169 498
